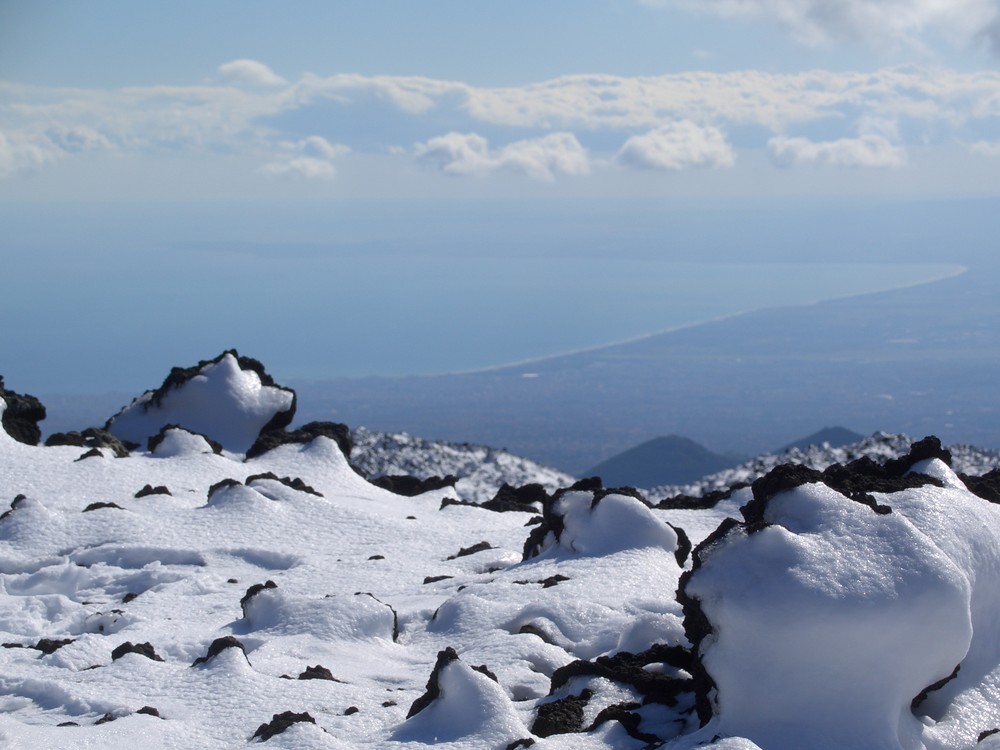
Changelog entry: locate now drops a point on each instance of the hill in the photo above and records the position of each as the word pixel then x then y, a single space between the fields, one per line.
pixel 664 460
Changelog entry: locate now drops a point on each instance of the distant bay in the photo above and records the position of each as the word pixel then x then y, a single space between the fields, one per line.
pixel 119 321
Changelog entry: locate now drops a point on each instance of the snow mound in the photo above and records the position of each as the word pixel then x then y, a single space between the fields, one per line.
pixel 460 702
pixel 229 399
pixel 599 523
pixel 849 619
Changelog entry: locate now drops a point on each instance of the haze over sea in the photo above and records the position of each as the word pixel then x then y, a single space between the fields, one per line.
pixel 119 307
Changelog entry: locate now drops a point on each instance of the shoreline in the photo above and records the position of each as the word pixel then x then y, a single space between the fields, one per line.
pixel 957 270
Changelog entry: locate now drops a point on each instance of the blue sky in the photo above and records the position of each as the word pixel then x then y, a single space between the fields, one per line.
pixel 120 101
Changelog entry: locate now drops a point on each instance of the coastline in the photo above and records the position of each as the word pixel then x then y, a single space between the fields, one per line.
pixel 956 271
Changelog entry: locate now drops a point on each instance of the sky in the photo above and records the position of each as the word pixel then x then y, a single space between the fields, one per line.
pixel 187 101
pixel 147 141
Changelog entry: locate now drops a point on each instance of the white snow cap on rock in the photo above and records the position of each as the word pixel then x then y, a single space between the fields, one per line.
pixel 613 524
pixel 223 401
pixel 830 620
pixel 470 704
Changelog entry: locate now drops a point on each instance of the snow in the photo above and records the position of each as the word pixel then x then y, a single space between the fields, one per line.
pixel 827 621
pixel 223 401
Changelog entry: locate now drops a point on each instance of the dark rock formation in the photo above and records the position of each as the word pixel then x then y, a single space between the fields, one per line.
pixel 561 716
pixel 987 486
pixel 688 502
pixel 409 486
pixel 629 669
pixel 272 438
pixel 279 723
pixel 22 415
pixel 151 490
pixel 318 672
pixel 218 646
pixel 221 485
pixel 149 711
pixel 99 506
pixel 14 504
pixel 444 658
pixel 466 551
pixel 92 437
pixel 92 453
pixel 295 484
pixel 435 579
pixel 143 649
pixel 51 645
pixel 623 714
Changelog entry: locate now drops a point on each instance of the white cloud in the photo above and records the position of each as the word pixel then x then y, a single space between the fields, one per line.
pixel 865 151
pixel 302 166
pixel 872 22
pixel 986 148
pixel 250 73
pixel 677 145
pixel 19 155
pixel 539 158
pixel 310 157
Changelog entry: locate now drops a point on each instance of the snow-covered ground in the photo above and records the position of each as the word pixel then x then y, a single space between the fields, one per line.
pixel 185 596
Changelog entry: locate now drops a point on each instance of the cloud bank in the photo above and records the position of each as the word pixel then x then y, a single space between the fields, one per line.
pixel 570 125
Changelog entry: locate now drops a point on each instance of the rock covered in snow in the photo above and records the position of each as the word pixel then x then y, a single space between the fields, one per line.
pixel 827 620
pixel 230 399
pixel 20 415
pixel 879 447
pixel 481 471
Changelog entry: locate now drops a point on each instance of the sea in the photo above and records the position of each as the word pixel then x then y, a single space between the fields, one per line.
pixel 120 320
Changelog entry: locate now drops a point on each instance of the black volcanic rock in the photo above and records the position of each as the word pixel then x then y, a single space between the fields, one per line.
pixel 629 669
pixel 660 461
pixel 143 649
pixel 271 439
pixel 279 723
pixel 986 486
pixel 319 672
pixel 22 415
pixel 51 645
pixel 92 437
pixel 410 486
pixel 149 489
pixel 561 716
pixel 294 483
